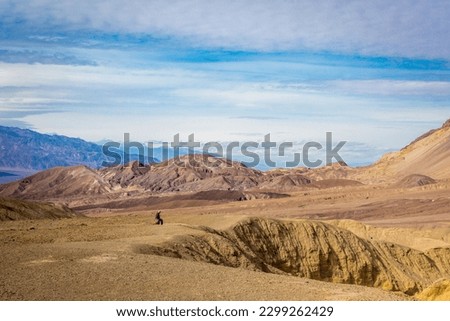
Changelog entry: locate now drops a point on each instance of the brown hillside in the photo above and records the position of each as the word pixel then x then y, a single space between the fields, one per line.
pixel 194 173
pixel 124 175
pixel 189 174
pixel 58 182
pixel 415 180
pixel 286 182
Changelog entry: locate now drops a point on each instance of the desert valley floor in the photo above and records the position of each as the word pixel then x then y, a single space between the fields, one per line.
pixel 108 255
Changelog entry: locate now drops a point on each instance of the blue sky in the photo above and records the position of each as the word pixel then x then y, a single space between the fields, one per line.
pixel 375 73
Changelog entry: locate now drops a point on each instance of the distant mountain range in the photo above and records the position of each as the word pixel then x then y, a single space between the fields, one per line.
pixel 30 150
pixel 425 161
pixel 27 149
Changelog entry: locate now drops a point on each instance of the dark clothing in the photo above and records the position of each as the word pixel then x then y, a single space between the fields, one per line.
pixel 158 219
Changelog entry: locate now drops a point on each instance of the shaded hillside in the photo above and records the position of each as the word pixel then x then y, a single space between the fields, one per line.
pixel 23 148
pixel 12 210
pixel 27 149
pixel 311 249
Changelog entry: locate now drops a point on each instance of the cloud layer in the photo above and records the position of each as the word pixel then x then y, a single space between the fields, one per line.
pixel 380 27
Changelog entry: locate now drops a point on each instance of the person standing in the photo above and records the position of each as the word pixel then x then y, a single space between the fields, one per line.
pixel 158 219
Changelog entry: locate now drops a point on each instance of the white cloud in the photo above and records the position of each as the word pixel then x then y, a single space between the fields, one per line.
pixel 379 27
pixel 84 76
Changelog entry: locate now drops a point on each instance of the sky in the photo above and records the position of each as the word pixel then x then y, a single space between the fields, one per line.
pixel 374 73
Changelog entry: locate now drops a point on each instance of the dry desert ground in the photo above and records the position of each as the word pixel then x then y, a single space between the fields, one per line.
pixel 116 254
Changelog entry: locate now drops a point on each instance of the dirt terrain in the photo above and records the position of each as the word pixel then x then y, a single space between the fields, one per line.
pixel 100 259
pixel 111 254
pixel 380 232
